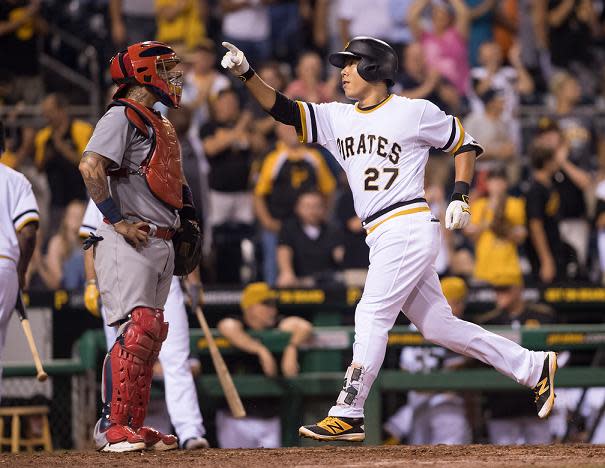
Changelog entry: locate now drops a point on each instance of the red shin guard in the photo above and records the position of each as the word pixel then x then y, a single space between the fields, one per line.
pixel 128 379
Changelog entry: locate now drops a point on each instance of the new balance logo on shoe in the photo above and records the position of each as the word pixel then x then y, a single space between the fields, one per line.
pixel 543 386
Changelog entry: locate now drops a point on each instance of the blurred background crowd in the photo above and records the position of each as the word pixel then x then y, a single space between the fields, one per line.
pixel 525 77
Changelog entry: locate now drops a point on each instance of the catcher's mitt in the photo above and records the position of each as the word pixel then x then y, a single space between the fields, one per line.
pixel 187 243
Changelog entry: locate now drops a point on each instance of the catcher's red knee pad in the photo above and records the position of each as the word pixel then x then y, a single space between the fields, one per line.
pixel 144 333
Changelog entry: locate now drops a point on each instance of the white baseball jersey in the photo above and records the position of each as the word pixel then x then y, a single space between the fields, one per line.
pixel 18 207
pixel 91 220
pixel 383 149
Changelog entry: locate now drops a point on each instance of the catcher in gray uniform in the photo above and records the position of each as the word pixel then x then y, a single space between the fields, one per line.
pixel 144 202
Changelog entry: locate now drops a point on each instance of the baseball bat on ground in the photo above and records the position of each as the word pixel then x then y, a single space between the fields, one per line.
pixel 224 377
pixel 41 375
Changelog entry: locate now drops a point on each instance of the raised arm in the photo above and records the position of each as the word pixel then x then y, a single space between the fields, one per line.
pixel 276 104
pixel 463 17
pixel 414 14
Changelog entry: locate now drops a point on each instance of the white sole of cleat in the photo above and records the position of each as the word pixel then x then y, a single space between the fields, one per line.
pixel 547 408
pixel 121 447
pixel 304 432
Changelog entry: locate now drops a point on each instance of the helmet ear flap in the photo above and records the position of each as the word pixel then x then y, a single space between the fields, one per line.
pixel 121 68
pixel 368 70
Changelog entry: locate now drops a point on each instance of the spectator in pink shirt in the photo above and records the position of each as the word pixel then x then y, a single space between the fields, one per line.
pixel 445 41
pixel 308 85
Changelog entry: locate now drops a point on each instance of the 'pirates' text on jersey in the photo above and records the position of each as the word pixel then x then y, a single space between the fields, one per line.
pixel 383 149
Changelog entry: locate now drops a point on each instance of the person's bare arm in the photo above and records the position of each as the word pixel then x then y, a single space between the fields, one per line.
pixel 414 15
pixel 89 265
pixel 539 16
pixel 170 12
pixel 424 89
pixel 264 216
pixel 229 6
pixel 578 176
pixel 538 238
pixel 344 30
pixel 26 239
pixel 218 142
pixel 299 329
pixel 10 26
pixel 320 23
pixel 93 168
pixel 483 8
pixel 464 164
pixel 118 28
pixel 50 268
pixel 234 331
pixel 561 12
pixel 463 17
pixel 518 234
pixel 285 267
pixel 66 149
pixel 525 82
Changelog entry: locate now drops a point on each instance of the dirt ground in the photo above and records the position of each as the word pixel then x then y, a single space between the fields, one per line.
pixel 555 456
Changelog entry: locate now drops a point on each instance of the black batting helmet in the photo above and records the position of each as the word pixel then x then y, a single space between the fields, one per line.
pixel 377 59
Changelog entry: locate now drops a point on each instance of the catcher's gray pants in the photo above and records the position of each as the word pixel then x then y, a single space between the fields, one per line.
pixel 130 277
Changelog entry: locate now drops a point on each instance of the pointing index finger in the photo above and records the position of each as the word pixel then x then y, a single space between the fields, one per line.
pixel 230 47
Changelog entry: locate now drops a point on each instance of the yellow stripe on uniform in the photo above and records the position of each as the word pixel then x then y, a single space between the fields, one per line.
pixel 461 139
pixel 418 209
pixel 25 222
pixel 7 258
pixel 303 119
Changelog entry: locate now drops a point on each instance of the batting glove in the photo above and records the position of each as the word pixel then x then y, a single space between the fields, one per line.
pixel 458 213
pixel 91 298
pixel 234 60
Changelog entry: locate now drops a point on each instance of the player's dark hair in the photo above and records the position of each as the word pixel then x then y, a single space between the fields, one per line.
pixel 310 192
pixel 540 156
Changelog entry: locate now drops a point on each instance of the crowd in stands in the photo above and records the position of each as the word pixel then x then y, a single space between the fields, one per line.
pixel 523 76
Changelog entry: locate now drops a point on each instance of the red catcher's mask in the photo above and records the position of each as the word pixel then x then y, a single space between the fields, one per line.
pixel 149 64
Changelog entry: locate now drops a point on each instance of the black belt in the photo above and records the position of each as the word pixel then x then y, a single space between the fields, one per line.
pixel 384 211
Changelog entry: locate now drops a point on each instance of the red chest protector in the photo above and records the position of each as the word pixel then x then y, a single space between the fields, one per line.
pixel 162 167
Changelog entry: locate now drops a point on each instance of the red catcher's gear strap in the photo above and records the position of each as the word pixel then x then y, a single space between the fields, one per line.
pixel 162 168
pixel 128 367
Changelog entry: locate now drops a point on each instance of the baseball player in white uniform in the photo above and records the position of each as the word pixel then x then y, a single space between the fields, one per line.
pixel 181 397
pixel 382 142
pixel 19 219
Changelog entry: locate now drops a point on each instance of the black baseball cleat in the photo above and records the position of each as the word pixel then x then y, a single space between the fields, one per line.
pixel 335 428
pixel 545 390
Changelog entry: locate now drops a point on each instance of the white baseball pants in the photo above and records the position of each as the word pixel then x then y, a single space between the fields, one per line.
pixel 402 277
pixel 248 432
pixel 181 395
pixel 9 287
pixel 519 431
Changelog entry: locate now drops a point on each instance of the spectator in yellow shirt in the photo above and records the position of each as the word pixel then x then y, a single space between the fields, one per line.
pixel 286 172
pixel 59 147
pixel 181 22
pixel 497 229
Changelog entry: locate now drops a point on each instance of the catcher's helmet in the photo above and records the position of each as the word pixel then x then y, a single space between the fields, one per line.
pixel 378 60
pixel 148 64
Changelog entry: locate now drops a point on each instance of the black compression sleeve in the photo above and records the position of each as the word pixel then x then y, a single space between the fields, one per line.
pixel 286 111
